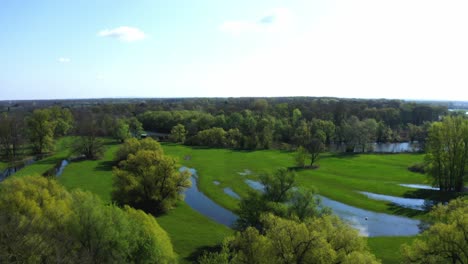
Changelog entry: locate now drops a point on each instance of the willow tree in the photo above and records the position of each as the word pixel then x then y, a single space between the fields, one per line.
pixel 447 153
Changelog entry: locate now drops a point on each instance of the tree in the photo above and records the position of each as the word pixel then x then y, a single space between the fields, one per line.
pixel 278 186
pixel 40 222
pixel 178 133
pixel 447 153
pixel 11 136
pixel 41 130
pixel 63 120
pixel 446 240
pixel 316 240
pixel 133 145
pixel 122 130
pixel 90 147
pixel 300 157
pixel 149 180
pixel 315 146
pixel 87 142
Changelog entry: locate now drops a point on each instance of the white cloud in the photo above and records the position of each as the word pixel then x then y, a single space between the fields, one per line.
pixel 274 20
pixel 364 48
pixel 124 33
pixel 63 60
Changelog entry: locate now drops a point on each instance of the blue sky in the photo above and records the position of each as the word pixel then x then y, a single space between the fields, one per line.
pixel 414 49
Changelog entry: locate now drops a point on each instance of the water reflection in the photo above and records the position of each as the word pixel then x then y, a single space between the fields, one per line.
pixel 204 205
pixel 412 203
pixel 420 186
pixel 368 223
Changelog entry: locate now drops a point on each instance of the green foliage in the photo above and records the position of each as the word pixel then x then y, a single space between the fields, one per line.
pixel 40 222
pixel 62 119
pixel 133 145
pixel 149 180
pixel 11 136
pixel 447 153
pixel 178 133
pixel 323 239
pixel 278 186
pixel 90 147
pixel 212 137
pixel 41 130
pixel 301 156
pixel 281 198
pixel 122 130
pixel 446 240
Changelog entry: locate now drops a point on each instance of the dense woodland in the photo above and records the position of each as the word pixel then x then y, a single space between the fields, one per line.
pixel 284 224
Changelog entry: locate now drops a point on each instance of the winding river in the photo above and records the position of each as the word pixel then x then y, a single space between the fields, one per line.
pixel 367 222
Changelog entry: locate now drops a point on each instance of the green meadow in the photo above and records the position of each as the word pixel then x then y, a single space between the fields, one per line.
pixel 338 177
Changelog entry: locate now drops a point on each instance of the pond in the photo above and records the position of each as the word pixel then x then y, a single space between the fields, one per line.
pixel 204 205
pixel 367 222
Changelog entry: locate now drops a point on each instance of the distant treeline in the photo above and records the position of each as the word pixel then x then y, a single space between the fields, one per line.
pixel 245 123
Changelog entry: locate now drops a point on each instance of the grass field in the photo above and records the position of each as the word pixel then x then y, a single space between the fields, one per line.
pixel 387 249
pixel 92 175
pixel 191 232
pixel 339 176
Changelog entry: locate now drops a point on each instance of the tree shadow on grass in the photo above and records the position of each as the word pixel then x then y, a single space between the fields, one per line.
pixel 403 211
pixel 195 255
pixel 105 165
pixel 433 195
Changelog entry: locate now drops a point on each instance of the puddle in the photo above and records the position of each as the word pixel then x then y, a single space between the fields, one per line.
pixel 231 193
pixel 216 183
pixel 416 204
pixel 420 186
pixel 204 205
pixel 255 185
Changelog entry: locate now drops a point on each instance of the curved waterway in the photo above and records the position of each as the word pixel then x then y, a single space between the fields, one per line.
pixel 367 222
pixel 204 205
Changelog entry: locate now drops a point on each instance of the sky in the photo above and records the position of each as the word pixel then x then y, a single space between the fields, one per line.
pixel 405 49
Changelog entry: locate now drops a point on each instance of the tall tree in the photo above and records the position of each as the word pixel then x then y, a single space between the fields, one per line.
pixel 11 136
pixel 178 133
pixel 447 153
pixel 41 130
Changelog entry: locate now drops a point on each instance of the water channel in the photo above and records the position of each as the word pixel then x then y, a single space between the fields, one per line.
pixel 367 222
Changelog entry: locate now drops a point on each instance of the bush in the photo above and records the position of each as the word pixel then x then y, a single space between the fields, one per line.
pixel 418 167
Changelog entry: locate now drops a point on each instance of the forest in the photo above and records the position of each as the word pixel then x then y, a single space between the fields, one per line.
pixel 103 181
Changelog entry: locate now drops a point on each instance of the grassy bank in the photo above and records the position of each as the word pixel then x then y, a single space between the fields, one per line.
pixel 62 151
pixel 92 175
pixel 191 232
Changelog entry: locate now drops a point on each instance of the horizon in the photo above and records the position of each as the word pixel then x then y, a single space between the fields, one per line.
pixel 366 49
